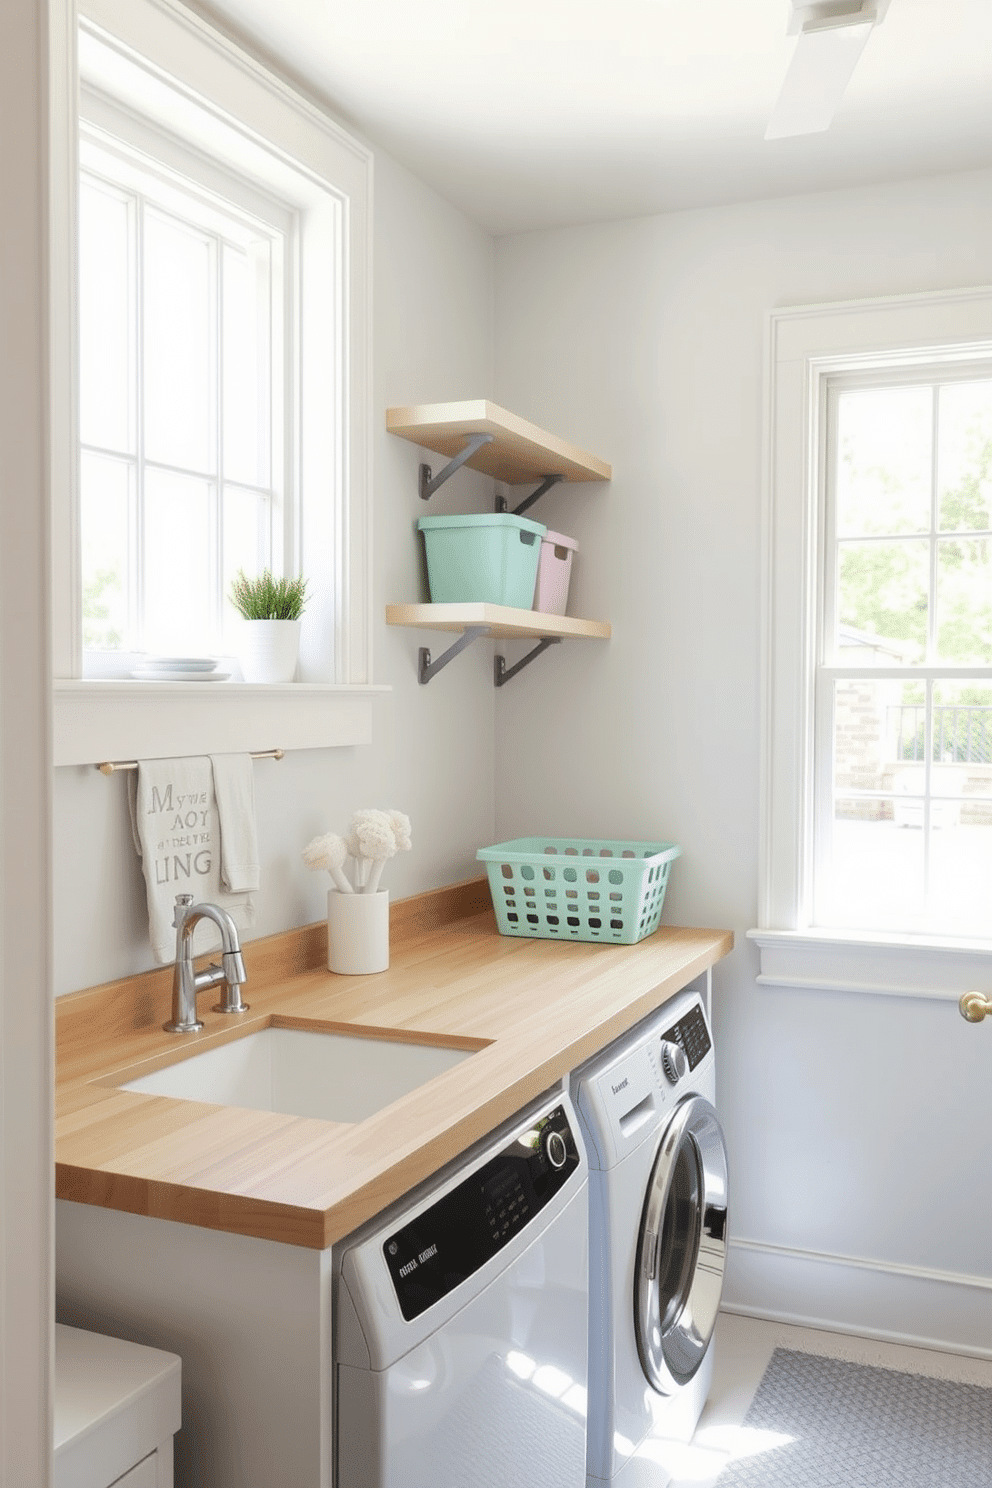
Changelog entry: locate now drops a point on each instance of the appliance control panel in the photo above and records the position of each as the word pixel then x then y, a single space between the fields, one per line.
pixel 691 1034
pixel 440 1248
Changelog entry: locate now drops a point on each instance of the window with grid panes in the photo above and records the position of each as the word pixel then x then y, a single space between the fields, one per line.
pixel 183 343
pixel 903 696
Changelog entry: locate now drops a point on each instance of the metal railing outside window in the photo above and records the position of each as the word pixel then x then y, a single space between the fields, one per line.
pixel 962 734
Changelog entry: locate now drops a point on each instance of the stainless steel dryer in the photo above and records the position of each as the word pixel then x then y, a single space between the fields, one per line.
pixel 657 1245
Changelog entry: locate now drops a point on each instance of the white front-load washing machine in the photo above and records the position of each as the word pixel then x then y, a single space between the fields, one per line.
pixel 658 1224
pixel 460 1321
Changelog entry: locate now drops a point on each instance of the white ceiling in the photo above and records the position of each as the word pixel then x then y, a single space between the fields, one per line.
pixel 536 113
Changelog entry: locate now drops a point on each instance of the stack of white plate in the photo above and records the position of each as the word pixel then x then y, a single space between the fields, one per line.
pixel 180 669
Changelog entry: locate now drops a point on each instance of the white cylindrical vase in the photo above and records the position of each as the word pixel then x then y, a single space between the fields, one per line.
pixel 357 932
pixel 269 650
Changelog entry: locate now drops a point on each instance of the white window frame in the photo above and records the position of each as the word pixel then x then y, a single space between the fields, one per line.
pixel 167 66
pixel 130 155
pixel 805 347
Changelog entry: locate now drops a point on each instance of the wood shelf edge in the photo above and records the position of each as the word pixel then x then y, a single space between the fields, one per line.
pixel 520 450
pixel 501 621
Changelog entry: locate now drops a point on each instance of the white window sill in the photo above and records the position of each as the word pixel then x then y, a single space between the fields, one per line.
pixel 99 719
pixel 887 966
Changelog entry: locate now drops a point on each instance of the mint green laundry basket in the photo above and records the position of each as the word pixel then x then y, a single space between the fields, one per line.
pixel 565 888
pixel 490 558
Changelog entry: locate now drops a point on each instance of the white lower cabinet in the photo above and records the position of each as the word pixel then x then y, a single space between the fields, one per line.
pixel 118 1406
pixel 251 1321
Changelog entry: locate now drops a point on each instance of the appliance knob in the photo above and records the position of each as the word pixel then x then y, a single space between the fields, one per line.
pixel 554 1149
pixel 673 1061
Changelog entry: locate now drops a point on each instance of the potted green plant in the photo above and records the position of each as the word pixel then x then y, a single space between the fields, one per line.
pixel 270 636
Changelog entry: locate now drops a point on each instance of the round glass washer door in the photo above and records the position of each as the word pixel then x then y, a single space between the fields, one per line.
pixel 682 1247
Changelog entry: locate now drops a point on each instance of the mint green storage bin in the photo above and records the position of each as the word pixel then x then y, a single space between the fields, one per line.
pixel 563 888
pixel 488 559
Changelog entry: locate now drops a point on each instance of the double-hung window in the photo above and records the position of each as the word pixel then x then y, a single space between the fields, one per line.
pixel 185 316
pixel 877 760
pixel 903 736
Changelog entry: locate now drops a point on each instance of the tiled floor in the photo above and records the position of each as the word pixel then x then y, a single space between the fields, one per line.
pixel 743 1349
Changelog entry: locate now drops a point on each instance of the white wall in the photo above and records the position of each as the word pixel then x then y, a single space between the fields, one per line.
pixel 432 751
pixel 853 1125
pixel 26 1158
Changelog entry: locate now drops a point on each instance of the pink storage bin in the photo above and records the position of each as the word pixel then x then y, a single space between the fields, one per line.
pixel 554 569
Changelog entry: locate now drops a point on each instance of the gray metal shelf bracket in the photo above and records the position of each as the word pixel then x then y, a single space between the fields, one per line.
pixel 428 669
pixel 429 482
pixel 547 482
pixel 502 673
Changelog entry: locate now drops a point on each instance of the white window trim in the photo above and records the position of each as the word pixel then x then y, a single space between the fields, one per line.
pixel 261 122
pixel 806 345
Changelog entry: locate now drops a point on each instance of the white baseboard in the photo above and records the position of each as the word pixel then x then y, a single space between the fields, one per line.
pixel 849 1294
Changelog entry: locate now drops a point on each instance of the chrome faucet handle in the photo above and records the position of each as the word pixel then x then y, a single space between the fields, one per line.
pixel 183 901
pixel 234 975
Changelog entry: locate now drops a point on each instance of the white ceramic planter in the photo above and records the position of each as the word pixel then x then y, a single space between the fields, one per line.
pixel 269 650
pixel 357 932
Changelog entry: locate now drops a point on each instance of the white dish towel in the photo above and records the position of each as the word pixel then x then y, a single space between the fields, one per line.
pixel 234 791
pixel 179 821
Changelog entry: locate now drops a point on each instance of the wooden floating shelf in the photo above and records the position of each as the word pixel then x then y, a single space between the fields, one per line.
pixel 499 621
pixel 519 451
pixel 487 438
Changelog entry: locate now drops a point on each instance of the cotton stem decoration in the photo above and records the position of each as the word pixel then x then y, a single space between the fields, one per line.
pixel 329 852
pixel 373 837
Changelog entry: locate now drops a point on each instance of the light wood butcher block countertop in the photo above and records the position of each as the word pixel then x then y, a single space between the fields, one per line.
pixel 530 1009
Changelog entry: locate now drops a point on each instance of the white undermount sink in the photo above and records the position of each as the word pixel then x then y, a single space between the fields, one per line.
pixel 297 1072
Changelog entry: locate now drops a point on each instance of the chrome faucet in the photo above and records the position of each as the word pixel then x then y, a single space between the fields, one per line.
pixel 186 982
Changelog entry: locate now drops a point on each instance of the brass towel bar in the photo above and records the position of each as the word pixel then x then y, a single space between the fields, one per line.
pixel 109 767
pixel 975 1006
